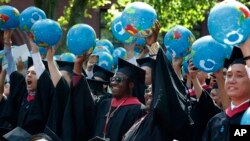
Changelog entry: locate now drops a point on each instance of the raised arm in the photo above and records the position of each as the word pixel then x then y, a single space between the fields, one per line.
pixel 222 93
pixel 8 54
pixel 193 76
pixel 53 69
pixel 37 60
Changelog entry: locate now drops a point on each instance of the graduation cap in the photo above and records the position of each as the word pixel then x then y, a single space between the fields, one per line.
pixel 235 58
pixel 96 85
pixel 147 61
pixel 131 71
pixel 63 65
pixel 136 74
pixel 51 134
pixel 4 131
pixel 101 72
pixel 17 134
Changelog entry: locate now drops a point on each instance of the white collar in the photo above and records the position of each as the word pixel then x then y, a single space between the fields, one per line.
pixel 233 106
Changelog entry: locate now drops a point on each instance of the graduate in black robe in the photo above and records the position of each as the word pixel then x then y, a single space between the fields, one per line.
pixel 168 117
pixel 61 75
pixel 79 114
pixel 203 108
pixel 28 105
pixel 115 116
pixel 237 88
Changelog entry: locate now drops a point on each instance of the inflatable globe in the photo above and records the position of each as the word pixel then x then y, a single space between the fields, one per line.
pixel 57 57
pixel 29 16
pixel 67 57
pixel 105 60
pixel 43 51
pixel 208 55
pixel 228 22
pixel 139 45
pixel 107 43
pixel 46 32
pixel 138 18
pixel 185 63
pixel 178 40
pixel 119 52
pixel 80 38
pixel 245 120
pixel 100 49
pixel 9 17
pixel 119 32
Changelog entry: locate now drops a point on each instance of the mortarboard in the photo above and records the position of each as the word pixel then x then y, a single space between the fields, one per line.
pixel 235 58
pixel 147 61
pixel 133 72
pixel 3 131
pixel 101 72
pixel 96 85
pixel 96 138
pixel 51 134
pixel 136 74
pixel 17 134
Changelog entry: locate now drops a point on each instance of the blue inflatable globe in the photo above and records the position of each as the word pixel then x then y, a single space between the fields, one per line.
pixel 43 51
pixel 140 42
pixel 228 22
pixel 9 17
pixel 80 38
pixel 178 40
pixel 100 49
pixel 107 43
pixel 46 33
pixel 245 120
pixel 29 16
pixel 105 60
pixel 138 18
pixel 57 57
pixel 119 32
pixel 185 63
pixel 119 52
pixel 67 57
pixel 208 55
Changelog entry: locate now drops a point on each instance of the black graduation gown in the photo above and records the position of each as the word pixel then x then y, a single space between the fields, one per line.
pixel 37 113
pixel 218 127
pixel 79 115
pixel 58 105
pixel 17 91
pixel 201 113
pixel 120 122
pixel 169 117
pixel 31 116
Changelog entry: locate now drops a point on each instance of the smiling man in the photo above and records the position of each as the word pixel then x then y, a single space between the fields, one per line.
pixel 115 116
pixel 237 84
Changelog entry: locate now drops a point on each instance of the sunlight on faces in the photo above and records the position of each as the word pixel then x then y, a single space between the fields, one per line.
pixel 31 79
pixel 237 83
pixel 119 85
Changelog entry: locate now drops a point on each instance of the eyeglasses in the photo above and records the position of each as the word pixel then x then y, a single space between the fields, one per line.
pixel 117 79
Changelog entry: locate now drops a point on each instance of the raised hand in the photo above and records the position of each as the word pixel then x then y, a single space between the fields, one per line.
pixel 50 54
